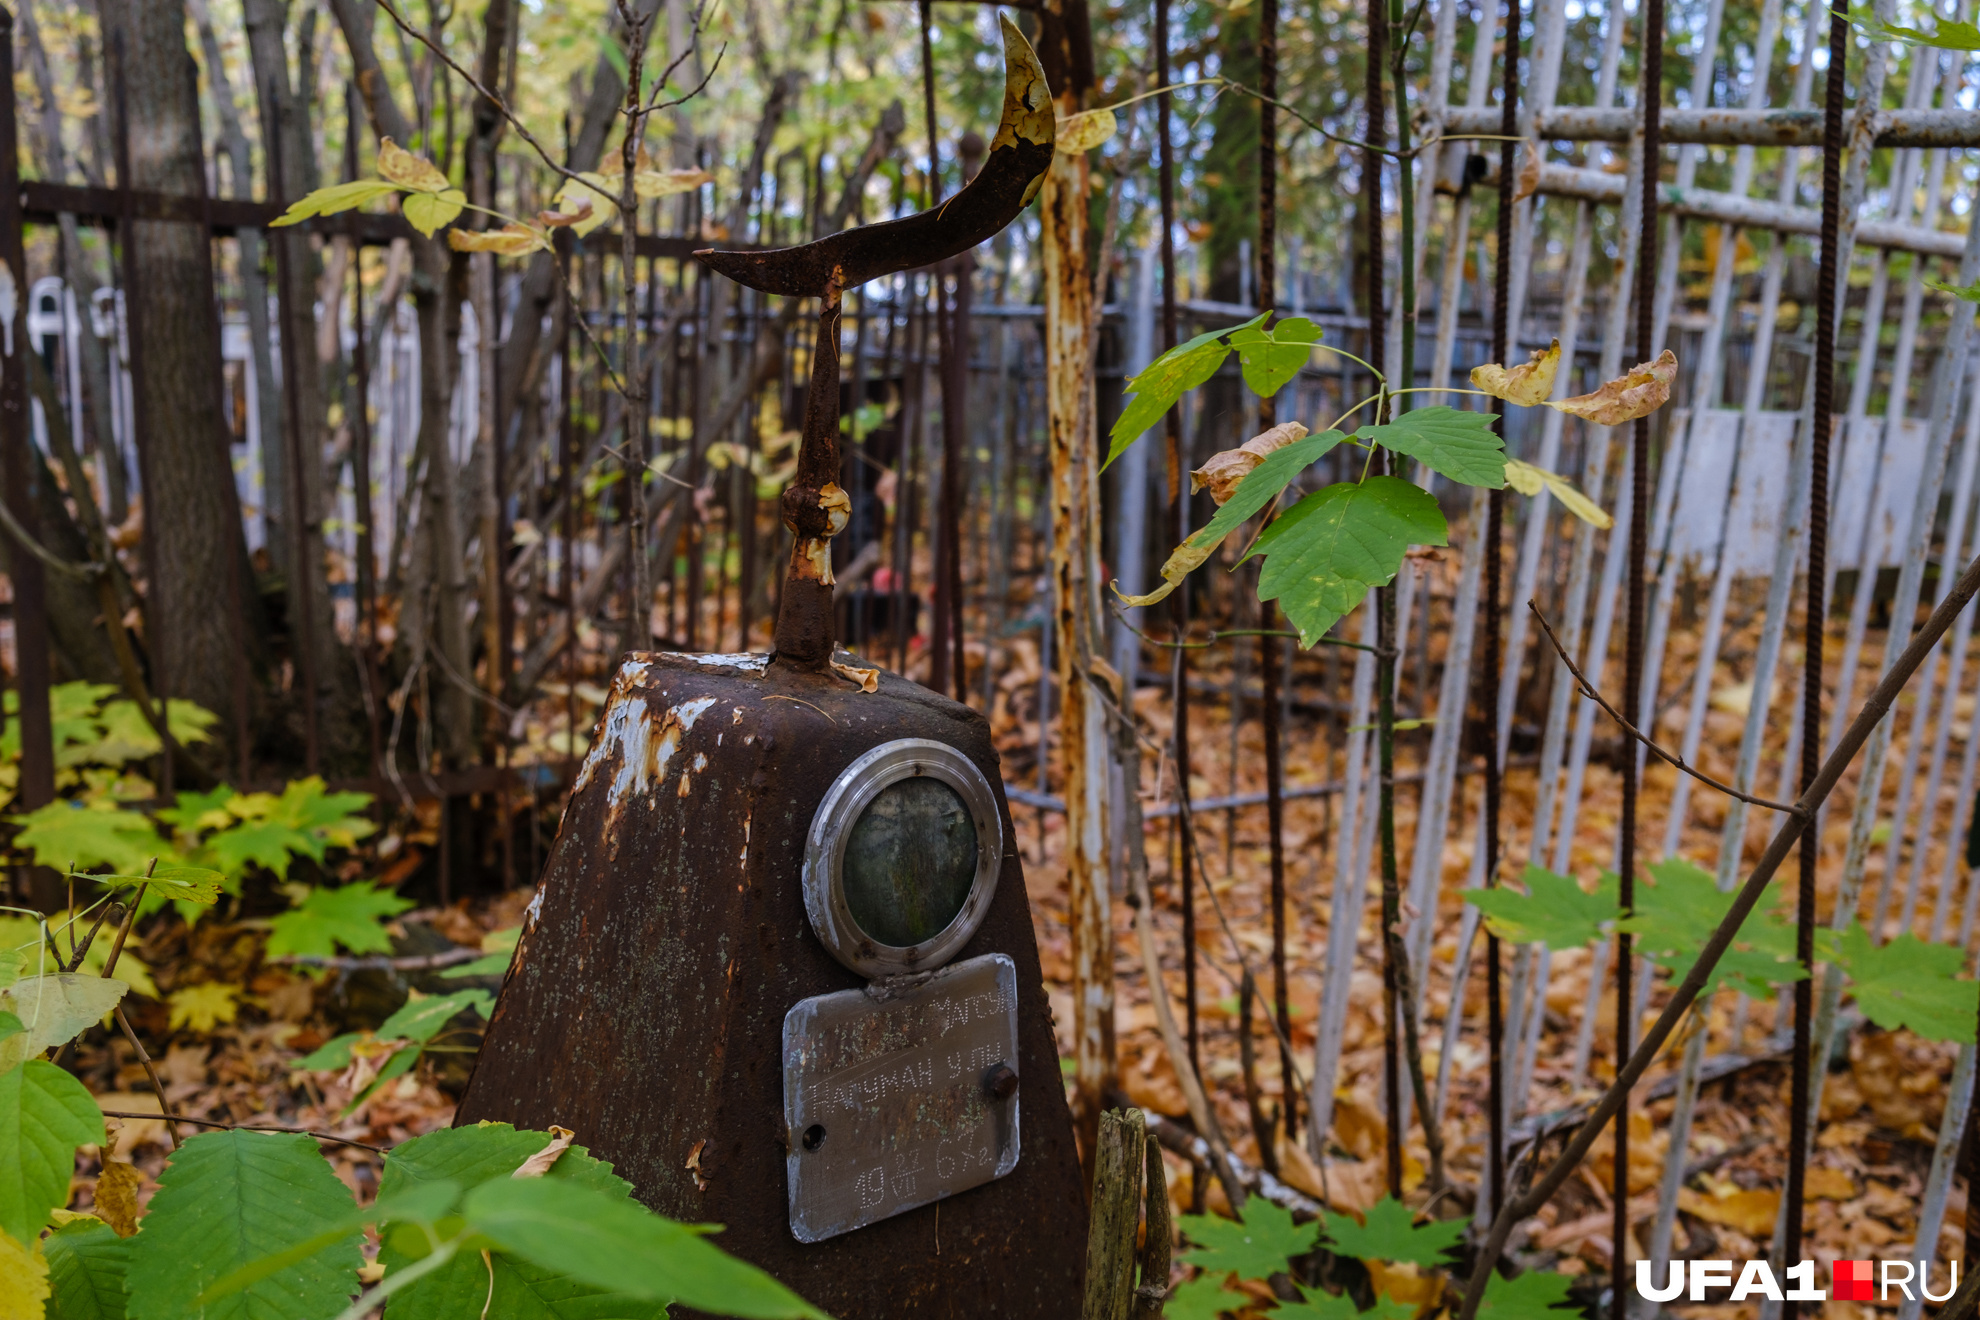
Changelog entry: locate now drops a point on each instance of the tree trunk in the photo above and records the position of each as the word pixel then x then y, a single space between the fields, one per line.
pixel 190 510
pixel 1075 570
pixel 436 299
pixel 285 131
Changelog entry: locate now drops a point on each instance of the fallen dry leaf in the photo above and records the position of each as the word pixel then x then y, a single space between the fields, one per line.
pixel 117 1196
pixel 135 1132
pixel 1748 1210
pixel 1821 1183
pixel 1225 470
pixel 866 680
pixel 693 1166
pixel 1527 385
pixel 541 1163
pixel 1407 1283
pixel 397 165
pixel 1636 393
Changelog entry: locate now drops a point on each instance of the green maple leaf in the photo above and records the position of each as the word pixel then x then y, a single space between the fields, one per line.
pixel 1676 913
pixel 1947 35
pixel 1910 983
pixel 72 713
pixel 1460 445
pixel 1534 1295
pixel 199 813
pixel 1203 1298
pixel 1255 1248
pixel 1270 358
pixel 1320 1305
pixel 1158 385
pixel 86 1264
pixel 1554 910
pixel 306 820
pixel 65 834
pixel 228 1200
pixel 348 915
pixel 44 1115
pixel 184 884
pixel 1389 1231
pixel 1326 553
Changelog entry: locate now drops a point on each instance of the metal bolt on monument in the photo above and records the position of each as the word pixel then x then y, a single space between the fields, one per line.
pixel 781 972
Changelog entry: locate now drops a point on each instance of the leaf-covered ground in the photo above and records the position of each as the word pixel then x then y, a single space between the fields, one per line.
pixel 229 1027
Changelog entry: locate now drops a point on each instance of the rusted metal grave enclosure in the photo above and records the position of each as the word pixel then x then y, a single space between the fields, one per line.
pixel 782 971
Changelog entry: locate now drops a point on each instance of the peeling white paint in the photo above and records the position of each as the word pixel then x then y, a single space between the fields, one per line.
pixel 748 661
pixel 625 730
pixel 533 911
pixel 700 762
pixel 690 711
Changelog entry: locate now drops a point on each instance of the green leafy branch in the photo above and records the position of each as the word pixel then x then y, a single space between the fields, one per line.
pixel 482 1220
pixel 1324 555
pixel 1906 982
pixel 1266 1240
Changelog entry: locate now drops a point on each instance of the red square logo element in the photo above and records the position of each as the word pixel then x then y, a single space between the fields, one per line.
pixel 1852 1280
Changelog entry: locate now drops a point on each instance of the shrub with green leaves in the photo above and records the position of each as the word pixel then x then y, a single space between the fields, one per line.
pixel 1266 1241
pixel 487 1220
pixel 1904 983
pixel 1325 554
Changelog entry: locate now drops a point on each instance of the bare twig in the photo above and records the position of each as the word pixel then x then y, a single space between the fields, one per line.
pixel 522 129
pixel 150 1072
pixel 243 1127
pixel 412 963
pixel 1671 758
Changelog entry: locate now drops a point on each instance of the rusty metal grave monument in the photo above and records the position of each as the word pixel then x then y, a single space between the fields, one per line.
pixel 781 972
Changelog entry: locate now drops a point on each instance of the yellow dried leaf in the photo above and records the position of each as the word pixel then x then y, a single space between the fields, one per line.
pixel 117 1196
pixel 1086 130
pixel 1527 385
pixel 559 219
pixel 1824 1183
pixel 23 1280
pixel 589 200
pixel 544 1160
pixel 1225 470
pixel 431 212
pixel 666 183
pixel 200 1008
pixel 511 240
pixel 866 680
pixel 400 166
pixel 1530 480
pixel 1523 477
pixel 1527 182
pixel 1750 1211
pixel 1182 561
pixel 1639 392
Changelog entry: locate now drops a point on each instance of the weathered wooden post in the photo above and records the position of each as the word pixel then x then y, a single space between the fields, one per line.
pixel 782 972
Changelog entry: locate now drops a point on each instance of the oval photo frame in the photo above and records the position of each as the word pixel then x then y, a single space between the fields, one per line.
pixel 832 825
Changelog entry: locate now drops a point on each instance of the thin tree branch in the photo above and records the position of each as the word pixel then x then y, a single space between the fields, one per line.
pixel 1670 758
pixel 1872 714
pixel 244 1127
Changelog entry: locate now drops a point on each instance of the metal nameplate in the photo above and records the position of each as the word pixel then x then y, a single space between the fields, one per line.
pixel 894 1103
